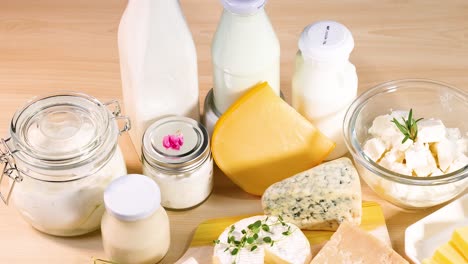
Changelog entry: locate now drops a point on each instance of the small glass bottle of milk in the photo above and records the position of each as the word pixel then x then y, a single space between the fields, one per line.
pixel 158 64
pixel 325 81
pixel 245 51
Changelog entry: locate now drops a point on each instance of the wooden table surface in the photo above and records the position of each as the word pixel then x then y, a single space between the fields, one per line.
pixel 48 45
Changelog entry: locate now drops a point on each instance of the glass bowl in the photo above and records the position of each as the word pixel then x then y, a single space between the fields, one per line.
pixel 428 99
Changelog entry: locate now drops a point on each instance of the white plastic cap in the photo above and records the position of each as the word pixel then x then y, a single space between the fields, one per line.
pixel 132 197
pixel 326 41
pixel 243 7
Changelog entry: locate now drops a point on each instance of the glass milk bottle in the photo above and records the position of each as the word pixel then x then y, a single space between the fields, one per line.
pixel 158 64
pixel 245 51
pixel 325 82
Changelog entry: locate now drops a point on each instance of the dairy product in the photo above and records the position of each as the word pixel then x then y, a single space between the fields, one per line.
pixel 431 130
pixel 210 114
pixel 317 199
pixel 454 251
pixel 67 208
pixel 292 248
pixel 262 140
pixel 135 228
pixel 176 154
pixel 324 81
pixel 158 64
pixel 447 254
pixel 460 241
pixel 413 196
pixel 352 245
pixel 436 150
pixel 183 190
pixel 65 150
pixel 245 51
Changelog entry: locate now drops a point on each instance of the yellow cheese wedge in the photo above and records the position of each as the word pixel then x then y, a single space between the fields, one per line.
pixel 460 241
pixel 261 140
pixel 350 244
pixel 447 254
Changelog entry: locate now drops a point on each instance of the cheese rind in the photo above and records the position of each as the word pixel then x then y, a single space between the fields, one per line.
pixel 352 245
pixel 261 140
pixel 294 248
pixel 317 199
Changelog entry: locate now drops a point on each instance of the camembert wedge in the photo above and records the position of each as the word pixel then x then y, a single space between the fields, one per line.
pixel 271 244
pixel 261 140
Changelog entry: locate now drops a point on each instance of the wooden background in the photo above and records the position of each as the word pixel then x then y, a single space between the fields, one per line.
pixel 49 45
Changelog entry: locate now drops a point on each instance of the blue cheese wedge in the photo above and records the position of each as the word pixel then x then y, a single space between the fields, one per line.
pixel 291 248
pixel 317 199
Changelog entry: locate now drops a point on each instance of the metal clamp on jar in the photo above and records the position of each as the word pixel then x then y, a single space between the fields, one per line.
pixel 61 156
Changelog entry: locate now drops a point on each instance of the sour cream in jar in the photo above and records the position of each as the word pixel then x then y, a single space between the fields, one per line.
pixel 177 155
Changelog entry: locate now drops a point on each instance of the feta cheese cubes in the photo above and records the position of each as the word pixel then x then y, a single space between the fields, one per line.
pixel 437 150
pixel 431 130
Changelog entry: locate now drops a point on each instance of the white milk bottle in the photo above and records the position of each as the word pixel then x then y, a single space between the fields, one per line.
pixel 158 64
pixel 325 82
pixel 245 51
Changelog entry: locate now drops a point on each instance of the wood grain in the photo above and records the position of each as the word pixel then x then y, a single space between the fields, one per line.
pixel 49 45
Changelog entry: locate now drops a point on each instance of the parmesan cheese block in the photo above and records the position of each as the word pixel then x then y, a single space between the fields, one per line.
pixel 317 199
pixel 293 248
pixel 352 245
pixel 261 140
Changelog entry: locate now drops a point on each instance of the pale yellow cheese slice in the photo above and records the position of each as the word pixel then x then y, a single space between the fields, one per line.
pixel 460 241
pixel 447 254
pixel 261 140
pixel 352 245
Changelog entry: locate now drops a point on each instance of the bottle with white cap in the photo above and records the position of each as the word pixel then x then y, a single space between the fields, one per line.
pixel 158 64
pixel 245 51
pixel 325 81
pixel 135 227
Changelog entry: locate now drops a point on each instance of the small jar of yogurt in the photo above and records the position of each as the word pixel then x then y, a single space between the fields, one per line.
pixel 135 227
pixel 177 155
pixel 62 154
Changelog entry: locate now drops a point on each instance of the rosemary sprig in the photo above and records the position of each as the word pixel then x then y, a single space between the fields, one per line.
pixel 254 235
pixel 409 128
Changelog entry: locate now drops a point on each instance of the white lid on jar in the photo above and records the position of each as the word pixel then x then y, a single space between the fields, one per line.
pixel 326 41
pixel 132 197
pixel 243 7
